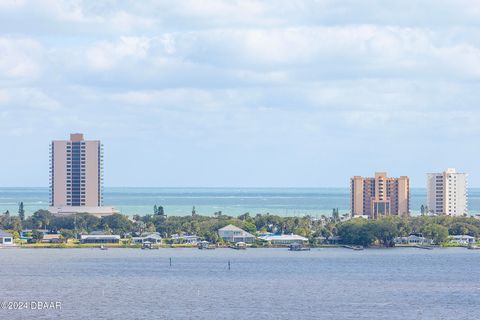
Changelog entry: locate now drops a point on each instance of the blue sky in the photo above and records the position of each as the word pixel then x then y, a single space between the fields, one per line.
pixel 242 93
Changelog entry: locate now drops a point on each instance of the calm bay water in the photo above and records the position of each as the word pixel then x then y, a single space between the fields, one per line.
pixel 402 283
pixel 233 201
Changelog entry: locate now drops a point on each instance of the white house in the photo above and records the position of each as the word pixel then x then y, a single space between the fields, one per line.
pixel 412 239
pixel 6 239
pixel 284 239
pixel 148 237
pixel 462 239
pixel 232 233
pixel 185 238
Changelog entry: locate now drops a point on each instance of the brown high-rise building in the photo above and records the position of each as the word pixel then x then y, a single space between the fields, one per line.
pixel 380 196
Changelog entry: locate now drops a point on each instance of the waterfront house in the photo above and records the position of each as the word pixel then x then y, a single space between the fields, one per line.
pixel 52 238
pixel 6 239
pixel 462 239
pixel 283 239
pixel 413 239
pixel 153 238
pixel 26 235
pixel 99 239
pixel 185 238
pixel 232 233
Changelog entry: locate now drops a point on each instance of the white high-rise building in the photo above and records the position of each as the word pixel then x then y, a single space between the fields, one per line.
pixel 447 193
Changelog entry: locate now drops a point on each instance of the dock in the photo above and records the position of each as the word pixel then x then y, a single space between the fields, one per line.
pixel 298 247
pixel 356 248
pixel 419 246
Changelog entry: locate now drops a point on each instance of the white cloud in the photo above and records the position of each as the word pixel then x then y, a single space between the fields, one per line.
pixel 241 78
pixel 19 58
pixel 4 97
pixel 28 98
pixel 104 56
pixel 11 4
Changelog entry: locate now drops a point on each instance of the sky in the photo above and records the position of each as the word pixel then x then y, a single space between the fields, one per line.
pixel 242 93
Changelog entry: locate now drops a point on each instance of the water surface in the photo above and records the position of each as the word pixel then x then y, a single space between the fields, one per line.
pixel 399 283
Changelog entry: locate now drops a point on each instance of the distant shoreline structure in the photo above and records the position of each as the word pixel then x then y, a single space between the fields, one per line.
pixel 94 211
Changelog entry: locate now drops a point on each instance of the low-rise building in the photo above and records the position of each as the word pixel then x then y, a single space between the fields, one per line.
pixel 6 239
pixel 462 239
pixel 185 238
pixel 99 239
pixel 284 239
pixel 154 238
pixel 232 233
pixel 26 234
pixel 51 238
pixel 413 239
pixel 94 211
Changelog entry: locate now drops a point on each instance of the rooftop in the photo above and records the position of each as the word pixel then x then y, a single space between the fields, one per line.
pixel 99 236
pixel 231 227
pixel 76 137
pixel 463 236
pixel 51 236
pixel 96 211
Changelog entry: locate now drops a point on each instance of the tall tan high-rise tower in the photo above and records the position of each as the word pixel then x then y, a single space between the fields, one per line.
pixel 76 176
pixel 380 196
pixel 76 169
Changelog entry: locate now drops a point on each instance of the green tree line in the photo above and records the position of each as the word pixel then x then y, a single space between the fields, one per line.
pixel 354 231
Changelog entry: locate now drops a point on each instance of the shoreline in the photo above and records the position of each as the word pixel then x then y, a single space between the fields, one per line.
pixel 110 246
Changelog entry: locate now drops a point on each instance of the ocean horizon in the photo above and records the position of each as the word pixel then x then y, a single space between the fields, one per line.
pixel 208 200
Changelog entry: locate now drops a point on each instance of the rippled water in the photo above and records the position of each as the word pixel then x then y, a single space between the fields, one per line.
pixel 262 283
pixel 233 201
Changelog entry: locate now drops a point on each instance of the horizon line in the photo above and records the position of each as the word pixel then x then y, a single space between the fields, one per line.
pixel 220 187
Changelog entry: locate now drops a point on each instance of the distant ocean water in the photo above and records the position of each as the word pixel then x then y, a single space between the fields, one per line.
pixel 232 201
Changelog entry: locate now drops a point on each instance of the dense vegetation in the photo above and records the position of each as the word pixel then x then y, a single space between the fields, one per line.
pixel 353 231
